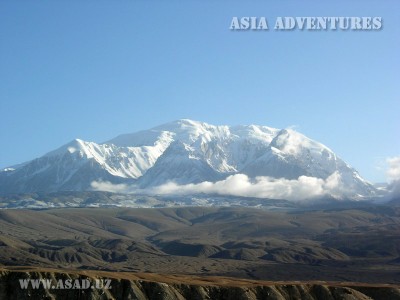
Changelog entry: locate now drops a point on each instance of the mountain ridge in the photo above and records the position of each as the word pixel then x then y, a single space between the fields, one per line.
pixel 183 152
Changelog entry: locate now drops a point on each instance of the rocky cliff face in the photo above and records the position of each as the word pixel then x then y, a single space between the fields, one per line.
pixel 153 286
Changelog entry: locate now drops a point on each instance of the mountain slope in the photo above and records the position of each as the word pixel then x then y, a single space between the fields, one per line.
pixel 182 151
pixel 178 164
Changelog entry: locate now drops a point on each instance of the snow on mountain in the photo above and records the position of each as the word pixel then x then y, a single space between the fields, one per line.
pixel 183 152
pixel 180 164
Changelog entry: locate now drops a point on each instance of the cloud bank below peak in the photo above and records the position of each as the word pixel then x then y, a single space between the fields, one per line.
pixel 240 185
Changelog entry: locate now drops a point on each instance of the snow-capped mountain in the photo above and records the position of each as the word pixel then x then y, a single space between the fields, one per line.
pixel 183 152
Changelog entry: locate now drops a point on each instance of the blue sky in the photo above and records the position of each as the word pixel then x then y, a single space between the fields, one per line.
pixel 96 69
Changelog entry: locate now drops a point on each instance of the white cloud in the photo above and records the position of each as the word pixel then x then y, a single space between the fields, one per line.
pixel 303 188
pixel 393 174
pixel 109 187
pixel 241 185
pixel 261 187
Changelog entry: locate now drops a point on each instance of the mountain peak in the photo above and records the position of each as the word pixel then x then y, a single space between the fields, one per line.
pixel 183 125
pixel 183 151
pixel 293 142
pixel 75 145
pixel 189 122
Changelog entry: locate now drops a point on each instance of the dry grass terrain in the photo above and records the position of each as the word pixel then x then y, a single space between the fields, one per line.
pixel 341 245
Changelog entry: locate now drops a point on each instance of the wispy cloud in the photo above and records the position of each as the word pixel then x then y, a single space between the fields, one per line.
pixel 107 186
pixel 393 171
pixel 393 174
pixel 241 185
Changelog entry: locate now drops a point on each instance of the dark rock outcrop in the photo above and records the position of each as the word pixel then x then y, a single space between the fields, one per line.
pixel 153 286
